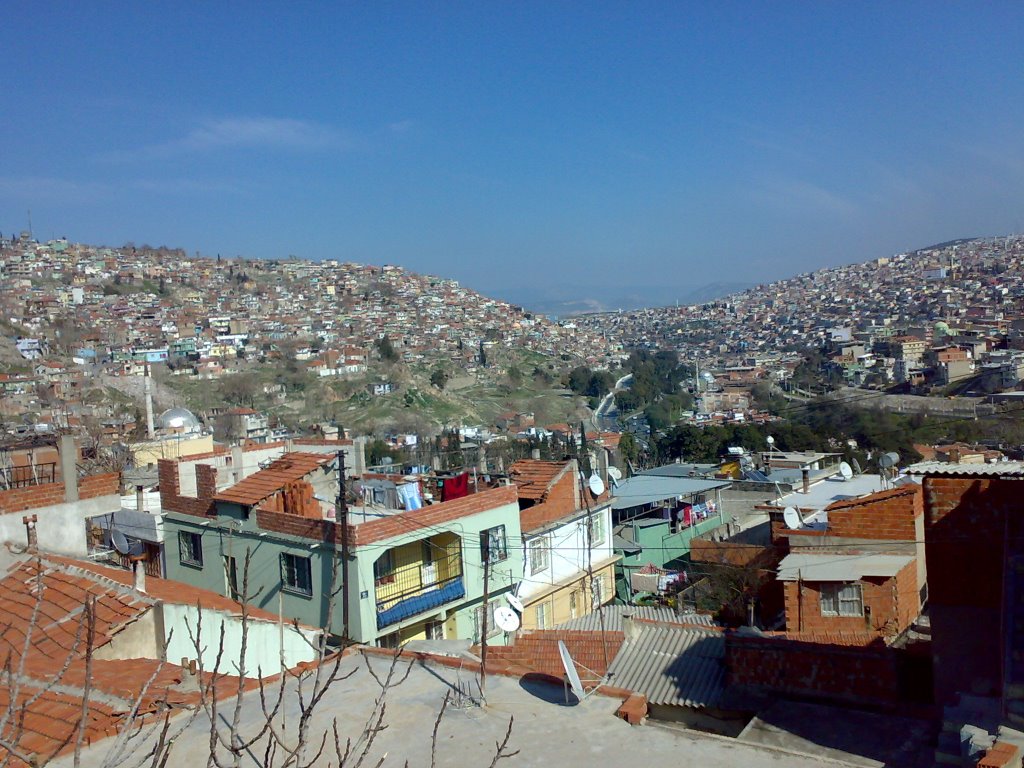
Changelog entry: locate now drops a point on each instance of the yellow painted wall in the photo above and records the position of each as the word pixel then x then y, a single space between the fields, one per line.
pixel 560 602
pixel 407 562
pixel 151 452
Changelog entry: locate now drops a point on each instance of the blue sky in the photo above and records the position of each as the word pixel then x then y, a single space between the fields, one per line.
pixel 529 150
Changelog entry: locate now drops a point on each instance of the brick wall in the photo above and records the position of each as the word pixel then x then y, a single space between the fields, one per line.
pixel 562 499
pixel 302 527
pixel 729 553
pixel 170 489
pixel 48 494
pixel 887 515
pixel 893 605
pixel 841 673
pixel 967 520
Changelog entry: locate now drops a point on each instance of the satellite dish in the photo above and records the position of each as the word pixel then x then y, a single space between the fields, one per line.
pixel 596 485
pixel 120 541
pixel 570 671
pixel 387 461
pixel 845 470
pixel 515 602
pixel 889 460
pixel 614 473
pixel 506 619
pixel 792 518
pixel 856 467
pixel 770 440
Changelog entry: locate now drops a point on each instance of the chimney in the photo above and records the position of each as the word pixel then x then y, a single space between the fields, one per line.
pixel 140 503
pixel 139 569
pixel 806 472
pixel 535 454
pixel 69 467
pixel 30 532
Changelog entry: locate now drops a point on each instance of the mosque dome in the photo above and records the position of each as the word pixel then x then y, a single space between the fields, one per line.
pixel 178 420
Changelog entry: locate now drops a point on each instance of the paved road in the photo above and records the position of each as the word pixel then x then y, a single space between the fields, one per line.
pixel 607 414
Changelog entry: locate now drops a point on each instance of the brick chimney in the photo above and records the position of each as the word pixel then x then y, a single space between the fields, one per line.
pixel 139 571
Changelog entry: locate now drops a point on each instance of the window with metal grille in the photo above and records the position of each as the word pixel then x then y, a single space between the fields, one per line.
pixel 595 523
pixel 296 574
pixel 190 548
pixel 493 545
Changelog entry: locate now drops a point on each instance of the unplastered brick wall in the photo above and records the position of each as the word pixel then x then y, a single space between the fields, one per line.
pixel 888 515
pixel 171 498
pixel 302 527
pixel 48 494
pixel 891 605
pixel 865 675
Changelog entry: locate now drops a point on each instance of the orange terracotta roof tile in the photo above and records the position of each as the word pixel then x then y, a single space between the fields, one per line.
pixel 872 498
pixel 534 477
pixel 287 469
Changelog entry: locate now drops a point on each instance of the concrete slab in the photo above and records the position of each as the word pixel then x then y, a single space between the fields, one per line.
pixel 858 738
pixel 545 730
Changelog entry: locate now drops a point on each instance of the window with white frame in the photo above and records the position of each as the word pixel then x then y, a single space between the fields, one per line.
pixel 542 616
pixel 540 554
pixel 842 599
pixel 595 524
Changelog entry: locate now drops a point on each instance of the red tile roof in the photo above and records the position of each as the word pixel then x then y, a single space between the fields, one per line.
pixel 534 477
pixel 874 498
pixel 257 487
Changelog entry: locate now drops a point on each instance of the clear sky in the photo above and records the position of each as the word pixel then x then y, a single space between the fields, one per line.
pixel 527 149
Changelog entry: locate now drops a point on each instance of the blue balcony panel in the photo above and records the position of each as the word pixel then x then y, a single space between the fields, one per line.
pixel 402 610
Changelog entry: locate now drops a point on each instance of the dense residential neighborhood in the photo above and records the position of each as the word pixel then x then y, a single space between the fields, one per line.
pixel 753 596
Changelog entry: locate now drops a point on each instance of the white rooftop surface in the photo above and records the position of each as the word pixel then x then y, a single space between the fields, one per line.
pixel 820 495
pixel 840 566
pixel 545 731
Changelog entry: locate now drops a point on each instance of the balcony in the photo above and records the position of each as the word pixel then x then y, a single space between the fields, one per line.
pixel 418 577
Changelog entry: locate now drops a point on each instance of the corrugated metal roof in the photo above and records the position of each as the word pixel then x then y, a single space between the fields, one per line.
pixel 672 666
pixel 840 566
pixel 647 489
pixel 999 469
pixel 613 614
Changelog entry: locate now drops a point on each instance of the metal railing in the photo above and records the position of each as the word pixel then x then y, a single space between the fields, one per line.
pixel 23 477
pixel 419 586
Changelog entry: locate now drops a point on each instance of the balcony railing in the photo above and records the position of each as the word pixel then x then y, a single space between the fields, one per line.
pixel 24 476
pixel 413 588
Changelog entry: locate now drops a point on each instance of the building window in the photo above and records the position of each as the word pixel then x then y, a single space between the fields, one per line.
pixel 190 547
pixel 842 600
pixel 597 586
pixel 296 574
pixel 384 569
pixel 478 621
pixel 542 616
pixel 595 525
pixel 540 554
pixel 493 545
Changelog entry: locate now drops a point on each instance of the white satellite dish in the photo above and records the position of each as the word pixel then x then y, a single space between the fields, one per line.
pixel 856 467
pixel 120 541
pixel 570 671
pixel 845 470
pixel 792 518
pixel 614 473
pixel 770 440
pixel 596 485
pixel 515 602
pixel 506 619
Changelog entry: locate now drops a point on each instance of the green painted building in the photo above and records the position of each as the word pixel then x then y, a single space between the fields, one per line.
pixel 410 574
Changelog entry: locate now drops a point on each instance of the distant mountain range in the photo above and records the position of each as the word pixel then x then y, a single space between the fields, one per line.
pixel 606 299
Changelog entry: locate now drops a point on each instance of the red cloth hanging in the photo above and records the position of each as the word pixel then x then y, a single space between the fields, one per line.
pixel 455 487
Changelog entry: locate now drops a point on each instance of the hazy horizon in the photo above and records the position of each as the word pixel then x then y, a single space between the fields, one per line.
pixel 569 153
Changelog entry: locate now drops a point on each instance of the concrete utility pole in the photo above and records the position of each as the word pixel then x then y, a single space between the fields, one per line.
pixel 341 518
pixel 483 623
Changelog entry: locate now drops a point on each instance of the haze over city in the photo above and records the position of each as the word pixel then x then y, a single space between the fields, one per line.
pixel 539 154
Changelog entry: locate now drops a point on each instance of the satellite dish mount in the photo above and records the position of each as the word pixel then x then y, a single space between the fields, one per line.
pixel 573 682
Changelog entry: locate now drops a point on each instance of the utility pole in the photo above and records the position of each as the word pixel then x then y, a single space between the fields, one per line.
pixel 341 518
pixel 483 622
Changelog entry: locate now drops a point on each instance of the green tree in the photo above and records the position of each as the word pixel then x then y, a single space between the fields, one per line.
pixel 439 377
pixel 386 349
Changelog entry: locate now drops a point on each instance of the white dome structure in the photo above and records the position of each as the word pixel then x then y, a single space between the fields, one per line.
pixel 180 420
